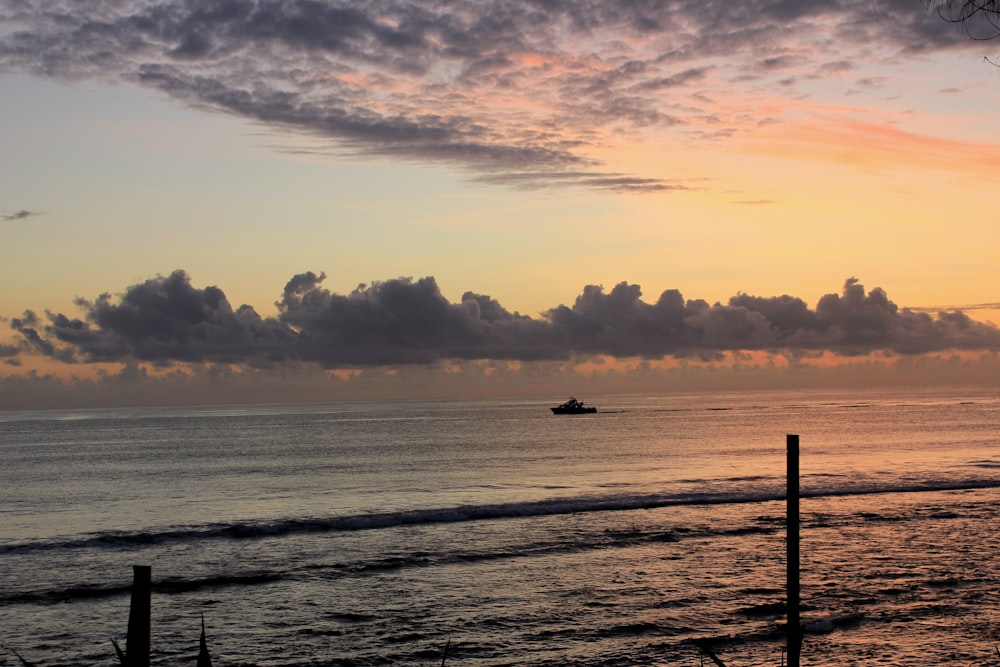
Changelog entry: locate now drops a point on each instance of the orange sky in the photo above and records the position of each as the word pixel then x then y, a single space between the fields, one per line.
pixel 520 153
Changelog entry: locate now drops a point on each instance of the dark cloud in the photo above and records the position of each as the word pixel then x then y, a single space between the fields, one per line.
pixel 20 215
pixel 692 75
pixel 405 322
pixel 33 341
pixel 613 182
pixel 780 62
pixel 166 321
pixel 522 87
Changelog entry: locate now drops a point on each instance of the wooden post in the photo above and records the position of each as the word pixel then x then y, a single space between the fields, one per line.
pixel 793 632
pixel 140 617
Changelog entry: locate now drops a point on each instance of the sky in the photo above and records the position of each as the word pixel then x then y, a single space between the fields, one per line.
pixel 220 201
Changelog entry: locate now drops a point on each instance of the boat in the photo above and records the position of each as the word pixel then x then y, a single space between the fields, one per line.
pixel 573 407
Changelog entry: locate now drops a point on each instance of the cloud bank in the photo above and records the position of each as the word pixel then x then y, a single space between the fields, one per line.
pixel 524 93
pixel 167 321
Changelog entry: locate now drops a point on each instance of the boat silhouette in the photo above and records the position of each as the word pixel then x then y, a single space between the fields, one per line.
pixel 573 407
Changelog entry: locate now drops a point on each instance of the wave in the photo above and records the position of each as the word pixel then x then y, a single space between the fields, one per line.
pixel 599 538
pixel 242 530
pixel 166 586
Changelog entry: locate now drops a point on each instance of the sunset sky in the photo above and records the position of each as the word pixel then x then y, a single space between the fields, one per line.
pixel 237 200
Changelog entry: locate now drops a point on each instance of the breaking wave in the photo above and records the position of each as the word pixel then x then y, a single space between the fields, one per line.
pixel 244 530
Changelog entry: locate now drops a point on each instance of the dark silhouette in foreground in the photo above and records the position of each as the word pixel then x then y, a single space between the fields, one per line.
pixel 979 18
pixel 138 642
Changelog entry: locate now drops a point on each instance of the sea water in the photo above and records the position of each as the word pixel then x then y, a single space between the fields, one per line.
pixel 485 533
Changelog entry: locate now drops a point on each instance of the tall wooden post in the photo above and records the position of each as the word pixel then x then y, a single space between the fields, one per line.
pixel 140 617
pixel 793 632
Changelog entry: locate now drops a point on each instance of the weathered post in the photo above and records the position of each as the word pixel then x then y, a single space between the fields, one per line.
pixel 140 617
pixel 793 633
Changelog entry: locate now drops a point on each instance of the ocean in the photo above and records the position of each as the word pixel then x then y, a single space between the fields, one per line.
pixel 488 533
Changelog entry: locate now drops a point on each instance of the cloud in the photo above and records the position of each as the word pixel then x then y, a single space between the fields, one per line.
pixel 404 322
pixel 20 215
pixel 163 320
pixel 511 90
pixel 965 307
pixel 9 354
pixel 883 145
pixel 608 181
